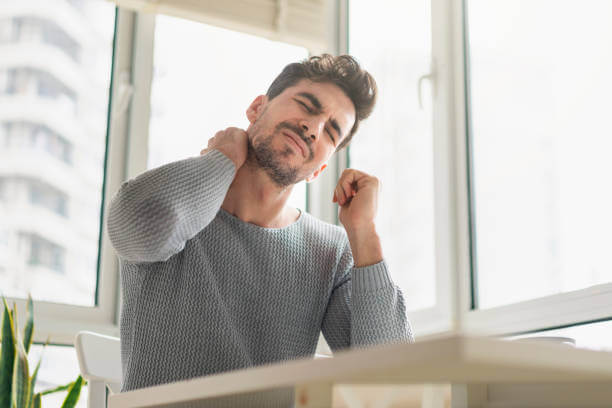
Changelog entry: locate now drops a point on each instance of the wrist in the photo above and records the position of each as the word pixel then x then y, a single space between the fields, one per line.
pixel 238 160
pixel 365 246
pixel 361 232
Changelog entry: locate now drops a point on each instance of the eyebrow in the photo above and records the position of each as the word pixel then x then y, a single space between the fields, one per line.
pixel 319 107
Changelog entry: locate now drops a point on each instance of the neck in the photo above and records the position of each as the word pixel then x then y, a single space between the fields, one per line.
pixel 254 198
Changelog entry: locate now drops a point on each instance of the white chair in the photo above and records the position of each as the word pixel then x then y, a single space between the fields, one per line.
pixel 100 364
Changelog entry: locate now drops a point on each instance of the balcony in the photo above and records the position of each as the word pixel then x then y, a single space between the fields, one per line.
pixel 45 58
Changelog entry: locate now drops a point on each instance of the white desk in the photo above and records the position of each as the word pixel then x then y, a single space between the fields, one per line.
pixel 481 372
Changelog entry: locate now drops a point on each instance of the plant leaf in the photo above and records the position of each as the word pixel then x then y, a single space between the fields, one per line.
pixel 73 394
pixel 7 357
pixel 29 327
pixel 35 375
pixel 57 389
pixel 21 378
pixel 33 382
pixel 15 324
pixel 36 401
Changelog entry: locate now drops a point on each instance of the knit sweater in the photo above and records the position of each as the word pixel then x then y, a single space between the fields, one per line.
pixel 204 292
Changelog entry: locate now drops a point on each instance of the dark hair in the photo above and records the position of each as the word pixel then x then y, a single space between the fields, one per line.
pixel 343 71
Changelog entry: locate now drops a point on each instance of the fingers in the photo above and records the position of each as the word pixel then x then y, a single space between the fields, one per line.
pixel 343 192
pixel 218 139
pixel 348 186
pixel 343 188
pixel 232 142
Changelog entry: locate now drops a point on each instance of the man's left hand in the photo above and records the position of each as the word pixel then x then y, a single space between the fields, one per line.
pixel 357 195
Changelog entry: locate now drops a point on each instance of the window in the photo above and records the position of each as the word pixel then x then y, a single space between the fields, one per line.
pixel 50 87
pixel 37 30
pixel 16 82
pixel 44 138
pixel 201 89
pixel 48 197
pixel 395 143
pixel 32 136
pixel 7 30
pixel 54 86
pixel 46 253
pixel 24 81
pixel 539 105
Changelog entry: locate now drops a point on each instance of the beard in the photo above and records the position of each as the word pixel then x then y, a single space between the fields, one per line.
pixel 264 156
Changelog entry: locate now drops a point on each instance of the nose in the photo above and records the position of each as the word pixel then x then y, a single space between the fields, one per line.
pixel 312 129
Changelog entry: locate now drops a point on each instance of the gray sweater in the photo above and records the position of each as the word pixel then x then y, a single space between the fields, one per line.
pixel 204 292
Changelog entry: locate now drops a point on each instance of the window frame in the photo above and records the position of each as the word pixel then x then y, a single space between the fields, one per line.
pixel 566 309
pixel 456 279
pixel 61 322
pixel 443 316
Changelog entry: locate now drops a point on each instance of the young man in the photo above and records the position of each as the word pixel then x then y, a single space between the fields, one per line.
pixel 218 274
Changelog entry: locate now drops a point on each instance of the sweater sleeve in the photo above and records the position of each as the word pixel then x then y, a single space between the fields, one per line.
pixel 152 216
pixel 365 308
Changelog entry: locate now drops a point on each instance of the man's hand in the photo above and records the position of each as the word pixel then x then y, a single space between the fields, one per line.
pixel 357 195
pixel 232 142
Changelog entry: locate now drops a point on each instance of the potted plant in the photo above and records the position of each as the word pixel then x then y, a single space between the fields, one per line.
pixel 16 383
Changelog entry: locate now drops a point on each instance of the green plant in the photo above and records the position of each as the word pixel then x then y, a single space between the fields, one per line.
pixel 16 384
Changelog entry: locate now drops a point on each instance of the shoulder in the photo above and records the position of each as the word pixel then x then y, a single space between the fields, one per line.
pixel 324 233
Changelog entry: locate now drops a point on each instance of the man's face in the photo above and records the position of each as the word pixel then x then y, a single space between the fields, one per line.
pixel 293 135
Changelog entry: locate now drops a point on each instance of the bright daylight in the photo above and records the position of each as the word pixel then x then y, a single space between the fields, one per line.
pixel 305 203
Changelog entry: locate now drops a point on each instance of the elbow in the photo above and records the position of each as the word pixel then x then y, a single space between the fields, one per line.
pixel 141 231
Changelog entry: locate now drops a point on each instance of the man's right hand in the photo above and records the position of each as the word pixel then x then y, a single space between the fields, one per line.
pixel 232 142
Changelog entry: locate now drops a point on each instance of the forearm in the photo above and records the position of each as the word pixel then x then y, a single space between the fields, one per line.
pixel 365 245
pixel 366 307
pixel 379 311
pixel 366 310
pixel 152 216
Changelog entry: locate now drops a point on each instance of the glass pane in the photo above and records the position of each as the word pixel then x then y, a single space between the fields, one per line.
pixel 59 366
pixel 207 85
pixel 393 42
pixel 540 101
pixel 54 84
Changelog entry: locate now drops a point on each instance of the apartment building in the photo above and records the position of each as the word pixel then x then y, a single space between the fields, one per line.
pixel 54 80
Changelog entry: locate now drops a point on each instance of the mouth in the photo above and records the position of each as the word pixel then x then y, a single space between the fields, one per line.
pixel 297 141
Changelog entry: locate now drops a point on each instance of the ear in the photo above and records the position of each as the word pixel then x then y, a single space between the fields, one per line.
pixel 256 108
pixel 314 175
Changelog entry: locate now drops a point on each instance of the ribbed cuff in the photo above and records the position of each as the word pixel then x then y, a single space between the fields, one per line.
pixel 371 278
pixel 221 159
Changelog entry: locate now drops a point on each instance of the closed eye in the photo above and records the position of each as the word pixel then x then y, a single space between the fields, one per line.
pixel 331 136
pixel 312 111
pixel 308 108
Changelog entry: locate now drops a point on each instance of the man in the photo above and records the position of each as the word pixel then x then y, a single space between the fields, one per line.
pixel 218 274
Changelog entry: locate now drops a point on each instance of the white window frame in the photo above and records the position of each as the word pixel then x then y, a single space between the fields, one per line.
pixel 547 312
pixel 443 316
pixel 60 322
pixel 453 251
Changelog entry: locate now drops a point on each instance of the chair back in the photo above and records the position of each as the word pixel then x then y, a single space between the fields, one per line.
pixel 100 364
